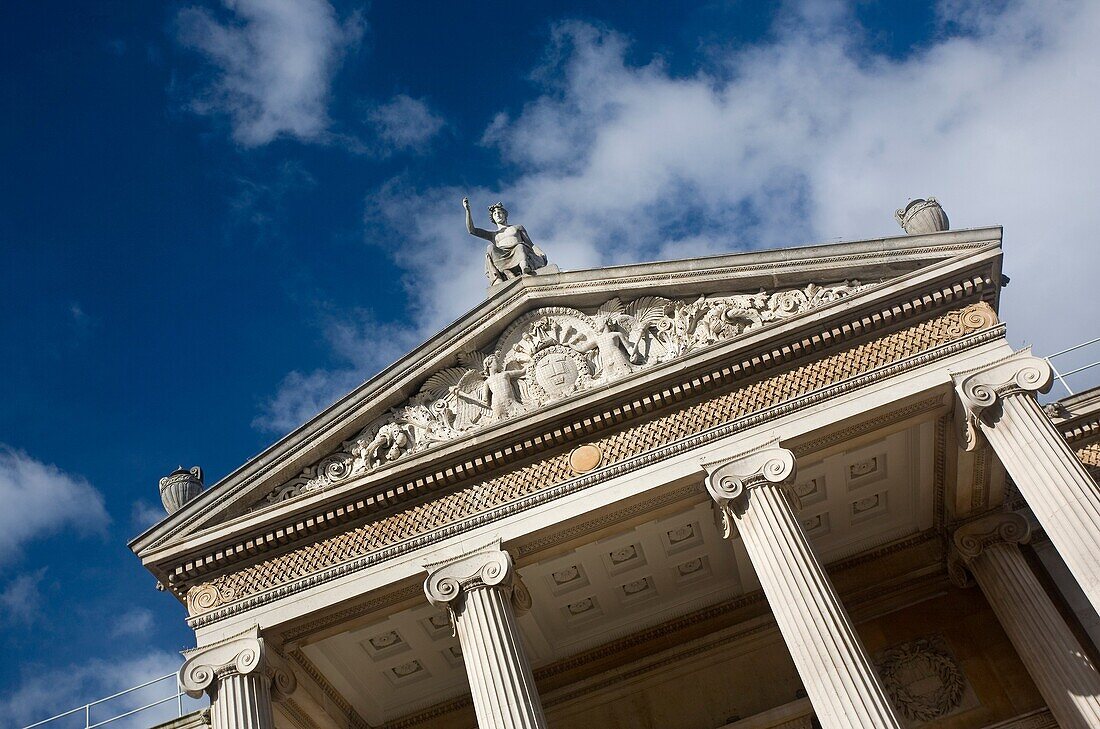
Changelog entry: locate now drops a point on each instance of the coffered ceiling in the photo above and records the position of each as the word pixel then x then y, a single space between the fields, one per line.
pixel 875 491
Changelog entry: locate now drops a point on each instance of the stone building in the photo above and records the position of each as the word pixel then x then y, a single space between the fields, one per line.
pixel 754 490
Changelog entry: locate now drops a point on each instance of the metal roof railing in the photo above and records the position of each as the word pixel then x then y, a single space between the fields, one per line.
pixel 1061 376
pixel 86 709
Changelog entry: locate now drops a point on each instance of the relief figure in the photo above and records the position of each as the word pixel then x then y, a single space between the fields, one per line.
pixel 612 347
pixel 495 392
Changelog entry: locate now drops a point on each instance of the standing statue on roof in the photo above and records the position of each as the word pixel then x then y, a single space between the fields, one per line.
pixel 511 253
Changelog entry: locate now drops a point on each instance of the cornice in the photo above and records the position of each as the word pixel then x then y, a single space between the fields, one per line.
pixel 1077 417
pixel 765 351
pixel 287 456
pixel 585 481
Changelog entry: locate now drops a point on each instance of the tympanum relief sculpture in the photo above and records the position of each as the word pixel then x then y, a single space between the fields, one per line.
pixel 546 355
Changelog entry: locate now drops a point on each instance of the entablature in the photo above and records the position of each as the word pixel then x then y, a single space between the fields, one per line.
pixel 787 351
pixel 678 431
pixel 774 271
pixel 570 424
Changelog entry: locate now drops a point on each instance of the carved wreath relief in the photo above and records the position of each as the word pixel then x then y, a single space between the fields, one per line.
pixel 923 679
pixel 549 354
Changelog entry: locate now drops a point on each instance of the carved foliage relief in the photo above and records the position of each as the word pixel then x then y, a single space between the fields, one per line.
pixel 546 355
pixel 923 680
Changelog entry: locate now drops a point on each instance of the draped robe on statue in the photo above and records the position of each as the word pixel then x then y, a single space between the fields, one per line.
pixel 512 248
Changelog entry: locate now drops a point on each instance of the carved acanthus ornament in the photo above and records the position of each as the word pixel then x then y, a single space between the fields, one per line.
pixel 546 355
pixel 206 596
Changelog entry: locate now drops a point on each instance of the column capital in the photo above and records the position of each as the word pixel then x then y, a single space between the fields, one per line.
pixel 971 539
pixel 488 566
pixel 984 386
pixel 242 654
pixel 730 478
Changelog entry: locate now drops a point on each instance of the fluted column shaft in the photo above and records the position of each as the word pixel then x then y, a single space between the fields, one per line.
pixel 241 678
pixel 1052 655
pixel 999 401
pixel 752 492
pixel 241 702
pixel 482 592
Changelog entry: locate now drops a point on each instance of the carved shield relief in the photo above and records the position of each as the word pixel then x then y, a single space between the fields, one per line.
pixel 558 371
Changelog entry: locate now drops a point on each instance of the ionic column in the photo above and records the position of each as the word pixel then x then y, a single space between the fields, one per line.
pixel 1060 668
pixel 240 677
pixel 754 497
pixel 482 590
pixel 752 493
pixel 999 401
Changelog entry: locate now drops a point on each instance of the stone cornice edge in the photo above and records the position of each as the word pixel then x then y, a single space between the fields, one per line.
pixel 588 480
pixel 387 496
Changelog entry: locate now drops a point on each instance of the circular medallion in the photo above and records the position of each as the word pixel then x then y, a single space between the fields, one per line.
pixel 558 371
pixel 923 679
pixel 585 458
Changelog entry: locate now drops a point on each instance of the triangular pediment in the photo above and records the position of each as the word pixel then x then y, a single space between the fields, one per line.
pixel 540 341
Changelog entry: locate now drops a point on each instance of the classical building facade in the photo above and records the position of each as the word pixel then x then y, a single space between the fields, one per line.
pixel 756 490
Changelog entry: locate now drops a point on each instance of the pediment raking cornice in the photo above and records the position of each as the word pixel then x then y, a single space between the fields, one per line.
pixel 583 291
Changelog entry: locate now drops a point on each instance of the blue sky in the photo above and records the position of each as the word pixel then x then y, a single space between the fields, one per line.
pixel 215 217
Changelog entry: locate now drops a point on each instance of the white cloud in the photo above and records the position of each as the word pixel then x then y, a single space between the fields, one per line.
pixel 144 514
pixel 362 344
pixel 803 137
pixel 134 623
pixel 275 60
pixel 45 692
pixel 405 123
pixel 20 599
pixel 48 499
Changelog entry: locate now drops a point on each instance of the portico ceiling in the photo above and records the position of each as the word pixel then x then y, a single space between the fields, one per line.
pixel 619 581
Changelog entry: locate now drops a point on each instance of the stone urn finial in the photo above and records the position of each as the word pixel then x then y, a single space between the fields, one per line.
pixel 179 487
pixel 922 216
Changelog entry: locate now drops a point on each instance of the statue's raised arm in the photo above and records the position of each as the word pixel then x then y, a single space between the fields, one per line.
pixel 470 228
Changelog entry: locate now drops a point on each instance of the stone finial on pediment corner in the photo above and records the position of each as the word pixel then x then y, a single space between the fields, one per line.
pixel 922 215
pixel 179 487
